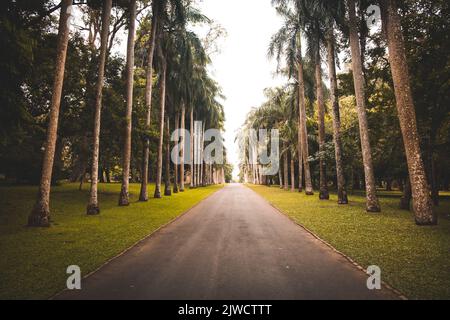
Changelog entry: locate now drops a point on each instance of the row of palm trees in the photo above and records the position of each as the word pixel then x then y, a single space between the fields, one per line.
pixel 184 90
pixel 317 21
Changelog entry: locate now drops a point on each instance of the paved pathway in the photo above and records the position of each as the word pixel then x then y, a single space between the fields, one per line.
pixel 233 245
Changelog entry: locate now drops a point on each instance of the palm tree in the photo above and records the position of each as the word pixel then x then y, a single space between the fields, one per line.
pixel 324 194
pixel 40 216
pixel 288 42
pixel 373 204
pixel 93 206
pixel 177 151
pixel 124 194
pixel 148 101
pixel 162 105
pixel 342 192
pixel 167 189
pixel 422 203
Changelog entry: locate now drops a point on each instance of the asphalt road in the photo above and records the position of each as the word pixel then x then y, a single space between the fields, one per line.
pixel 232 246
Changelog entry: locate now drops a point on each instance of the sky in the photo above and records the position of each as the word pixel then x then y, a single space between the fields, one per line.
pixel 242 68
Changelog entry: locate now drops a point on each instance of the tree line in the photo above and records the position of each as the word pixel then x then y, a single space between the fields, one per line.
pixel 385 119
pixel 77 110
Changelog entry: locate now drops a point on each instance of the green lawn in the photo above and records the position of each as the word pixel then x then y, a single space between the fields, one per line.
pixel 33 262
pixel 415 260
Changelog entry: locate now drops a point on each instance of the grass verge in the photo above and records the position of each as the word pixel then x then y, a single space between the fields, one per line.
pixel 414 260
pixel 33 262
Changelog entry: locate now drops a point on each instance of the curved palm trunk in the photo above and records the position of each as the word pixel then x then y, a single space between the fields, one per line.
pixel 324 194
pixel 422 203
pixel 40 216
pixel 303 130
pixel 162 98
pixel 167 189
pixel 342 192
pixel 175 168
pixel 372 200
pixel 124 199
pixel 93 207
pixel 148 102
pixel 182 151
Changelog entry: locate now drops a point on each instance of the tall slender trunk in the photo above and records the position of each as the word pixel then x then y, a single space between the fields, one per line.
pixel 280 177
pixel 182 151
pixel 373 204
pixel 323 194
pixel 300 168
pixel 303 130
pixel 148 103
pixel 177 152
pixel 202 163
pixel 93 206
pixel 124 199
pixel 192 150
pixel 40 215
pixel 292 174
pixel 167 189
pixel 422 203
pixel 162 98
pixel 286 171
pixel 342 192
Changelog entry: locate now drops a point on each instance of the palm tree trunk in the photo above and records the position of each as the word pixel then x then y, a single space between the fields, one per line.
pixel 280 177
pixel 324 194
pixel 202 163
pixel 303 130
pixel 292 174
pixel 162 98
pixel 422 203
pixel 93 206
pixel 373 204
pixel 405 201
pixel 286 171
pixel 300 167
pixel 40 216
pixel 177 152
pixel 182 151
pixel 192 150
pixel 124 199
pixel 167 189
pixel 342 192
pixel 148 103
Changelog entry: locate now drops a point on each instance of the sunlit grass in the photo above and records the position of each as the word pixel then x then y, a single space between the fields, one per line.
pixel 415 260
pixel 33 262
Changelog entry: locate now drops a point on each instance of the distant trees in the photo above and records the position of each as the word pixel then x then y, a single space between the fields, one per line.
pixel 101 95
pixel 366 95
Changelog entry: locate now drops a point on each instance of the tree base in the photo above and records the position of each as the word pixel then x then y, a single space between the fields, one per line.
pixel 373 209
pixel 427 223
pixel 39 219
pixel 93 210
pixel 324 195
pixel 157 194
pixel 168 192
pixel 124 200
pixel 309 193
pixel 342 198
